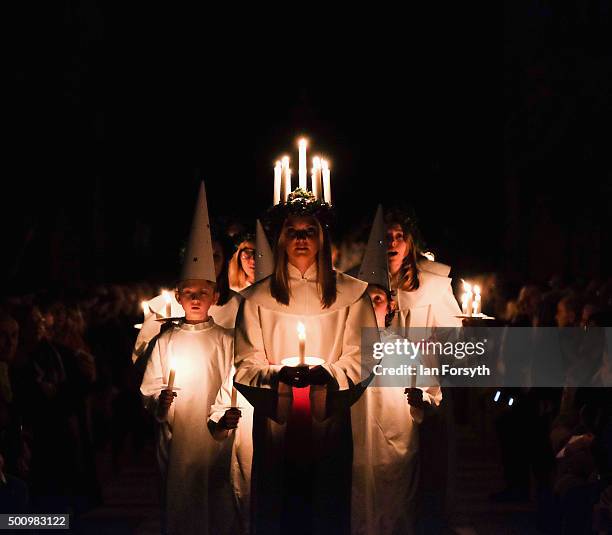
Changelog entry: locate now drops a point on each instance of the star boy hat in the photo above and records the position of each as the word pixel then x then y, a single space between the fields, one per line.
pixel 198 262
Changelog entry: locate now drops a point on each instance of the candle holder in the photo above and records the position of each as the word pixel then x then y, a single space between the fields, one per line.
pixel 308 361
pixel 475 316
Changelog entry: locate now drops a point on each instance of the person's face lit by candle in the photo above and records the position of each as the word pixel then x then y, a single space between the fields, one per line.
pixel 301 240
pixel 196 297
pixel 397 247
pixel 380 302
pixel 247 261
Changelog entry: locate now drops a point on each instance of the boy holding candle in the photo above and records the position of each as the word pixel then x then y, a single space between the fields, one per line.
pixel 196 355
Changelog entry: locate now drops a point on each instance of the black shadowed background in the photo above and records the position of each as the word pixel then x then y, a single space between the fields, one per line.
pixel 494 126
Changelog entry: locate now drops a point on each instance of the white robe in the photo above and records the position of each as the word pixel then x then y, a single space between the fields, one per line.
pixel 195 488
pixel 266 333
pixel 385 427
pixel 240 443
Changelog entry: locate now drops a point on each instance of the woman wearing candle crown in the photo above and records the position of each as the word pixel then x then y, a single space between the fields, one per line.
pixel 302 464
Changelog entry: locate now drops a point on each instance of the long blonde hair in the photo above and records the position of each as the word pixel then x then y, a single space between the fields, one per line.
pixel 326 276
pixel 236 274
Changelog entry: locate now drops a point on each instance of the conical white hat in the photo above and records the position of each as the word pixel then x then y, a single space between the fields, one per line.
pixel 374 267
pixel 264 261
pixel 198 262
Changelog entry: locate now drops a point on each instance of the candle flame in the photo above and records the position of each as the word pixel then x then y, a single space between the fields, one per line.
pixel 303 142
pixel 301 329
pixel 277 163
pixel 172 362
pixel 467 286
pixel 167 296
pixel 477 289
pixel 285 161
pixel 316 162
pixel 324 164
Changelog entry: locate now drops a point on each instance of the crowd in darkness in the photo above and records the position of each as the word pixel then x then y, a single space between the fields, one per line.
pixel 69 391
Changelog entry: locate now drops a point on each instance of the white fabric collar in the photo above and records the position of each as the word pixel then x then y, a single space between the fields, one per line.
pixel 184 326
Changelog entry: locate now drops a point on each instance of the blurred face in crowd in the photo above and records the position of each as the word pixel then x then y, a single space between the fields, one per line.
pixel 397 247
pixel 9 334
pixel 43 323
pixel 247 261
pixel 565 316
pixel 196 296
pixel 380 303
pixel 301 240
pixel 587 312
pixel 218 257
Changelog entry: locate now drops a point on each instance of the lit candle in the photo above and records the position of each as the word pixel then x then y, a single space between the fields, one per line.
pixel 288 181
pixel 168 300
pixel 326 182
pixel 464 304
pixel 302 342
pixel 467 301
pixel 285 179
pixel 302 169
pixel 316 177
pixel 234 397
pixel 477 301
pixel 277 182
pixel 171 375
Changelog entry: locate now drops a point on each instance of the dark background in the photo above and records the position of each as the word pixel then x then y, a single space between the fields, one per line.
pixel 494 124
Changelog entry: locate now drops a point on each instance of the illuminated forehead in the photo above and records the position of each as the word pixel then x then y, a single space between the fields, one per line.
pixel 300 222
pixel 396 227
pixel 375 291
pixel 196 285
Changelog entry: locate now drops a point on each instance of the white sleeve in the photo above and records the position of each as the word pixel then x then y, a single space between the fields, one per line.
pixel 356 362
pixel 153 381
pixel 252 365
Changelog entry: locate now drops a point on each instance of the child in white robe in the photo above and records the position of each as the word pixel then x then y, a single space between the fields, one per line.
pixel 200 352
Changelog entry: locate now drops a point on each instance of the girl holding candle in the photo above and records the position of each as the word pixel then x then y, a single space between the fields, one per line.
pixel 301 467
pixel 425 306
pixel 386 419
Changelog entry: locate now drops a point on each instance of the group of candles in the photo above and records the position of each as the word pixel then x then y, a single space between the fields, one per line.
pixel 319 178
pixel 471 301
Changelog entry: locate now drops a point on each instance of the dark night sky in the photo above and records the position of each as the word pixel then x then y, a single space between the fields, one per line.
pixel 113 114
